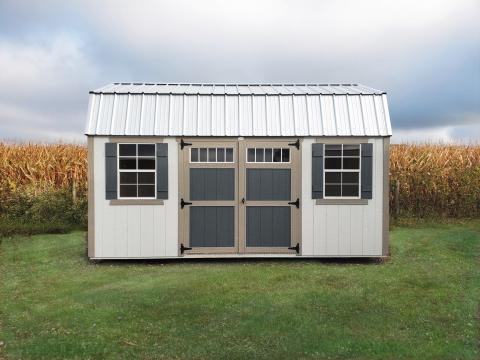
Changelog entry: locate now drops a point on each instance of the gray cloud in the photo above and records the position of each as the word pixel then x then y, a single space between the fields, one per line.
pixel 425 54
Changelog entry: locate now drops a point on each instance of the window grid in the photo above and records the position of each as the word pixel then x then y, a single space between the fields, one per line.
pixel 341 171
pixel 215 155
pixel 262 154
pixel 137 171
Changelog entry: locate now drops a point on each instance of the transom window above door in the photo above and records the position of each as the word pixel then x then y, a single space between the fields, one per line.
pixel 342 171
pixel 137 171
pixel 211 155
pixel 268 155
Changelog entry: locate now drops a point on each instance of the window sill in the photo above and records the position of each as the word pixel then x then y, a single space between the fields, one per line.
pixel 341 202
pixel 136 202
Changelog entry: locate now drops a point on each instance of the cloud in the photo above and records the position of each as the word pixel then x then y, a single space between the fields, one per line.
pixel 44 90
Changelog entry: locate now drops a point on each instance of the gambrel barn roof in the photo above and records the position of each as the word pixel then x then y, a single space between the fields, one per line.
pixel 238 110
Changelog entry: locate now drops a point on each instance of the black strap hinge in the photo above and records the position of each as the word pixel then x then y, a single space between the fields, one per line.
pixel 296 144
pixel 296 248
pixel 184 203
pixel 296 203
pixel 183 144
pixel 183 248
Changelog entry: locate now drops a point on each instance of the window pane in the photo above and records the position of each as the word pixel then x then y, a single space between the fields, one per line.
pixel 146 150
pixel 260 155
pixel 146 164
pixel 146 178
pixel 351 150
pixel 277 155
pixel 251 155
pixel 349 190
pixel 332 190
pixel 128 190
pixel 229 157
pixel 268 155
pixel 333 177
pixel 128 149
pixel 128 177
pixel 350 177
pixel 221 155
pixel 333 150
pixel 351 163
pixel 333 163
pixel 203 155
pixel 194 155
pixel 285 155
pixel 146 191
pixel 212 155
pixel 128 164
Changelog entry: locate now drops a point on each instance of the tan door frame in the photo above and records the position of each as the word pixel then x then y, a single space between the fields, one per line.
pixel 294 165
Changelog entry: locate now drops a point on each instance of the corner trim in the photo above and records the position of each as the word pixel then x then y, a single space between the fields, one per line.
pixel 341 202
pixel 386 197
pixel 136 202
pixel 91 198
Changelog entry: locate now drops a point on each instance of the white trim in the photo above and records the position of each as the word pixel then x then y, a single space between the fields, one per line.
pixel 341 170
pixel 216 155
pixel 136 170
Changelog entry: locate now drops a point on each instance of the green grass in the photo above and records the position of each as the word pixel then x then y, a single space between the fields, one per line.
pixel 422 304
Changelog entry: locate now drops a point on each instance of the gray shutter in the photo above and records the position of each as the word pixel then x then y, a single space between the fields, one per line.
pixel 367 170
pixel 110 171
pixel 317 171
pixel 162 171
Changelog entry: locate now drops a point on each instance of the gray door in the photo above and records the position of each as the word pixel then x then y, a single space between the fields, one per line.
pixel 269 190
pixel 210 202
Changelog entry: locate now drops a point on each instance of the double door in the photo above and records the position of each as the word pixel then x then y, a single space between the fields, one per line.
pixel 239 197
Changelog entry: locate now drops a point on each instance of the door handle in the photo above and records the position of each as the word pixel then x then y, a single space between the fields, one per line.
pixel 296 203
pixel 243 200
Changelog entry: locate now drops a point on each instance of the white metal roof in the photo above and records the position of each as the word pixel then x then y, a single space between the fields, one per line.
pixel 238 110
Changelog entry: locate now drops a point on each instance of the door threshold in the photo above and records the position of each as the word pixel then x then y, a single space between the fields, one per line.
pixel 210 256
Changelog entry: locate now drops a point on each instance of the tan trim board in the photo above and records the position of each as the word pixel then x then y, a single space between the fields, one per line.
pixel 341 202
pixel 386 197
pixel 91 199
pixel 136 202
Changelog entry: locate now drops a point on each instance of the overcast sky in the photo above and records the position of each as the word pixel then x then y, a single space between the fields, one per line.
pixel 425 54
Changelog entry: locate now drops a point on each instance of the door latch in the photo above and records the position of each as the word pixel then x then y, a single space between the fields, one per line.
pixel 183 248
pixel 243 200
pixel 296 203
pixel 184 203
pixel 296 248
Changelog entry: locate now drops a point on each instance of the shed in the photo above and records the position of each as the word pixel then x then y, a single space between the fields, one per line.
pixel 237 170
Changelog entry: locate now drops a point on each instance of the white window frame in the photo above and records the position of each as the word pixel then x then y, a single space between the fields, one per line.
pixel 136 157
pixel 359 171
pixel 268 162
pixel 216 155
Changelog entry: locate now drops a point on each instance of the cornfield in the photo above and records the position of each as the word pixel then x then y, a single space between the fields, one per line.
pixel 426 180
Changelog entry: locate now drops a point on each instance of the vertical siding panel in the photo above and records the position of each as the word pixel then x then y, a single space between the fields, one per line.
pixel 344 228
pixel 378 191
pixel 356 226
pixel 134 234
pixel 146 230
pixel 120 231
pixel 159 230
pixel 332 236
pixel 307 202
pixel 99 194
pixel 320 230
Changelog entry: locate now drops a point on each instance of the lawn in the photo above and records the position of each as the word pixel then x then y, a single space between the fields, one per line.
pixel 422 304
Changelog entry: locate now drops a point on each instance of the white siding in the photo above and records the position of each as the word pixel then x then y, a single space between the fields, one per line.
pixel 132 231
pixel 342 230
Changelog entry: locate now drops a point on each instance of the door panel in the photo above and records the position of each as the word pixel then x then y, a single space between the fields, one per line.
pixel 212 184
pixel 268 184
pixel 212 226
pixel 268 226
